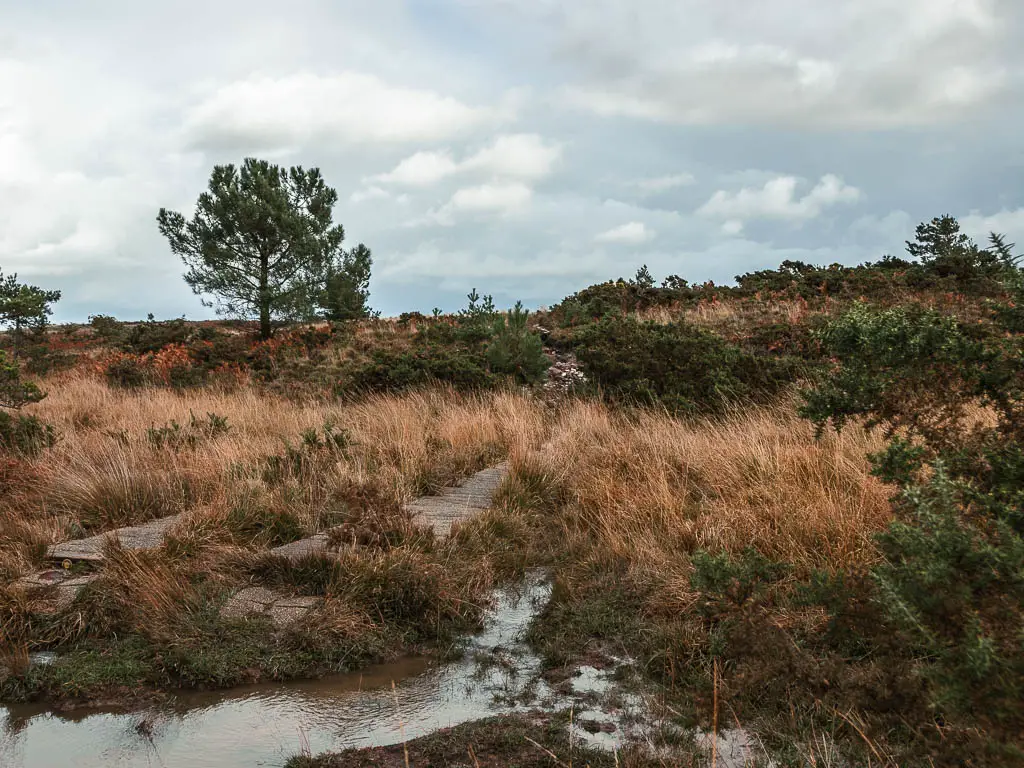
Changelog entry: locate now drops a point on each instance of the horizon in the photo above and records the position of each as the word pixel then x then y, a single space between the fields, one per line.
pixel 517 149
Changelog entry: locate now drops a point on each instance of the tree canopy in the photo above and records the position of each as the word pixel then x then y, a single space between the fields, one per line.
pixel 23 307
pixel 262 242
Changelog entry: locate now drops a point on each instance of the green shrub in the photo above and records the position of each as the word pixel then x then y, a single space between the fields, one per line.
pixel 126 371
pixel 14 391
pixel 951 584
pixel 517 351
pixel 727 583
pixel 394 371
pixel 152 335
pixel 107 328
pixel 20 434
pixel 24 434
pixel 176 437
pixel 677 365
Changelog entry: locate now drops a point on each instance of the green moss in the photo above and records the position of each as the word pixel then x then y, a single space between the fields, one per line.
pixel 221 654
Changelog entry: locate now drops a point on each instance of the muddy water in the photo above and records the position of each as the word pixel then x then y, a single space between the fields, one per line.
pixel 262 725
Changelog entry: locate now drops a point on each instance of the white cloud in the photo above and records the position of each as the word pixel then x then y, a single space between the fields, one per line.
pixel 279 112
pixel 518 156
pixel 1009 223
pixel 523 155
pixel 496 198
pixel 777 199
pixel 665 183
pixel 632 233
pixel 421 169
pixel 916 63
pixel 376 193
pixel 369 193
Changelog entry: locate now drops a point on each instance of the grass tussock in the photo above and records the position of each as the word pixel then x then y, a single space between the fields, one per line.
pixel 646 488
pixel 271 471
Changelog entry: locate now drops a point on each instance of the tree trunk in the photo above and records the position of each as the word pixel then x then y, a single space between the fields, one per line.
pixel 265 330
pixel 17 337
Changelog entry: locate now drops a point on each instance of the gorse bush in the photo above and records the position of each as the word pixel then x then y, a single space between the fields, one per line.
pixel 675 365
pixel 478 348
pixel 398 370
pixel 14 391
pixel 19 433
pixel 24 434
pixel 951 584
pixel 176 437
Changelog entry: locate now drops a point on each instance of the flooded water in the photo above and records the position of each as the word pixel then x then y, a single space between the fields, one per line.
pixel 263 725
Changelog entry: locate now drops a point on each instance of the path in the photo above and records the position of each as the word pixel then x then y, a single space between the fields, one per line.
pixel 454 504
pixel 147 536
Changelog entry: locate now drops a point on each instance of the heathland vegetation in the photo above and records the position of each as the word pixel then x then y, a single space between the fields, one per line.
pixel 796 501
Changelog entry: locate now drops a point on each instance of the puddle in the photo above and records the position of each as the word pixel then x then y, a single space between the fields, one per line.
pixel 263 725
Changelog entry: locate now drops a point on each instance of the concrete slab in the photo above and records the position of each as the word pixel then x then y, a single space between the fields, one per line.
pixel 458 503
pixel 63 585
pixel 295 550
pixel 147 536
pixel 260 601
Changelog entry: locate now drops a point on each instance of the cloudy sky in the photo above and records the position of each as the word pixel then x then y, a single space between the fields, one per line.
pixel 526 148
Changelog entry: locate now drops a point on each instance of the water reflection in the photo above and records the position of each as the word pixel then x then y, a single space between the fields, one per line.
pixel 264 724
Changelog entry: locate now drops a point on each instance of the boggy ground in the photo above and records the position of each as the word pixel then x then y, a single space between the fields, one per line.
pixel 684 544
pixel 247 470
pixel 519 741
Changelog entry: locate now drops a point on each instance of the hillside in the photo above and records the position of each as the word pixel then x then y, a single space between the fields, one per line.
pixel 791 505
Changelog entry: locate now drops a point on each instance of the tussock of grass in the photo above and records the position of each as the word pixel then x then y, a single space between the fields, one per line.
pixel 107 472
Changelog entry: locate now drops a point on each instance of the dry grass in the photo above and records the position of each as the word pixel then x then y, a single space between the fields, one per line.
pixel 734 314
pixel 647 490
pixel 105 471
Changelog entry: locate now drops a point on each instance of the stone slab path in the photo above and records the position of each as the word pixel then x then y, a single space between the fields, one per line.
pixel 65 585
pixel 458 503
pixel 454 504
pixel 254 601
pixel 147 536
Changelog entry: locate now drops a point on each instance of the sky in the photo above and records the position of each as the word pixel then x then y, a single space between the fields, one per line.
pixel 525 148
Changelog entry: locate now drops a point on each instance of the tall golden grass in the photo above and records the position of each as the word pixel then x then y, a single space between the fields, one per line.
pixel 643 488
pixel 104 472
pixel 646 490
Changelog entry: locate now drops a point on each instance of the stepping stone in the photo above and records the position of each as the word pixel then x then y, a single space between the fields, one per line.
pixel 439 512
pixel 288 610
pixel 256 601
pixel 67 586
pixel 458 503
pixel 248 601
pixel 147 536
pixel 296 550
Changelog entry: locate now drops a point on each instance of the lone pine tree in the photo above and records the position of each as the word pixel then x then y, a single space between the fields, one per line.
pixel 262 242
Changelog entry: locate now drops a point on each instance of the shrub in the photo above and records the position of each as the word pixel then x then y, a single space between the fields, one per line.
pixel 126 371
pixel 107 328
pixel 517 351
pixel 478 322
pixel 951 586
pixel 394 371
pixel 152 336
pixel 174 436
pixel 20 434
pixel 24 434
pixel 677 365
pixel 14 392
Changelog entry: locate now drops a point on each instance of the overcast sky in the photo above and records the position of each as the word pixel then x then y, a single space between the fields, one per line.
pixel 527 148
